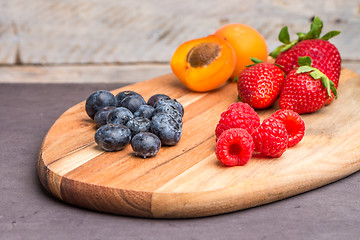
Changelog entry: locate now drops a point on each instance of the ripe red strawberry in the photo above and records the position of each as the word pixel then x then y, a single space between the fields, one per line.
pixel 306 89
pixel 324 54
pixel 259 85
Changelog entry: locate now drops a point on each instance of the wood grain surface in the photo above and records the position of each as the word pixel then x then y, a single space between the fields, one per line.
pixel 187 180
pixel 111 31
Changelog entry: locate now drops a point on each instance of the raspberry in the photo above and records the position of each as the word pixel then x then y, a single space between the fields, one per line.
pixel 237 120
pixel 234 147
pixel 238 115
pixel 294 125
pixel 270 138
pixel 240 107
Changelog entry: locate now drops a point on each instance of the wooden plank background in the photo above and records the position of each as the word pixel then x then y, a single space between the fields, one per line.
pixel 129 41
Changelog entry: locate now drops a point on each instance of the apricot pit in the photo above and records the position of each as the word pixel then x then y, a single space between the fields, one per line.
pixel 203 54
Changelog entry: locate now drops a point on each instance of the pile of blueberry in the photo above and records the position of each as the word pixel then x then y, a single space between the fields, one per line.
pixel 128 118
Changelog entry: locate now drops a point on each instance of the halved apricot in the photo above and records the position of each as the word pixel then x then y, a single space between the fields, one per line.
pixel 246 42
pixel 203 64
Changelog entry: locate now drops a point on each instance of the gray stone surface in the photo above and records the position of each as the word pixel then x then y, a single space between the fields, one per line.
pixel 27 211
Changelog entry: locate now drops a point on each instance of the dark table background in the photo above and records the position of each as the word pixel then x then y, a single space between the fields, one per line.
pixel 119 42
pixel 27 211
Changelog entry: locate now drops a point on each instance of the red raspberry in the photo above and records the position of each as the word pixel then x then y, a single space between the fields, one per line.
pixel 238 115
pixel 237 120
pixel 234 147
pixel 270 138
pixel 294 125
pixel 240 107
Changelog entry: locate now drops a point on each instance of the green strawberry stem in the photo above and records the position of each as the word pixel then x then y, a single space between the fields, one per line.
pixel 305 67
pixel 255 61
pixel 314 33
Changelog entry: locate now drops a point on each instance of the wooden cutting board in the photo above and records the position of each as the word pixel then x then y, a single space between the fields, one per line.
pixel 187 180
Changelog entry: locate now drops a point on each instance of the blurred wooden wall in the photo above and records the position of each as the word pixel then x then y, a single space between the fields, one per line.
pixel 129 41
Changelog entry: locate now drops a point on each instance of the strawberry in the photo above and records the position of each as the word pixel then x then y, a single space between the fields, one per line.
pixel 259 85
pixel 325 56
pixel 306 89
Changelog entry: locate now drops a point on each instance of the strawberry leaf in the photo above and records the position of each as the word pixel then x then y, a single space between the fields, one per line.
pixel 236 79
pixel 288 46
pixel 329 85
pixel 316 74
pixel 255 60
pixel 304 61
pixel 329 35
pixel 284 36
pixel 304 69
pixel 326 82
pixel 282 48
pixel 301 35
pixel 333 89
pixel 315 29
pixel 278 65
pixel 314 33
pixel 274 54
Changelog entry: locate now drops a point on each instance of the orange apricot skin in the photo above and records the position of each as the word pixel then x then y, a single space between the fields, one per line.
pixel 246 42
pixel 210 76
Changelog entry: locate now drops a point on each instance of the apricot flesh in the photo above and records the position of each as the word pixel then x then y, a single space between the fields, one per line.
pixel 203 64
pixel 246 42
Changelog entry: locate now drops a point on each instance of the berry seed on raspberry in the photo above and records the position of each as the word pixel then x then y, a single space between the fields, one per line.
pixel 295 126
pixel 234 147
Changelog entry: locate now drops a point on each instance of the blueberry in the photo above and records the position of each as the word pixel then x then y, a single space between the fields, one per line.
pixel 121 95
pixel 155 98
pixel 98 100
pixel 112 137
pixel 132 102
pixel 145 144
pixel 145 111
pixel 138 124
pixel 166 108
pixel 119 115
pixel 166 128
pixel 102 115
pixel 173 103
